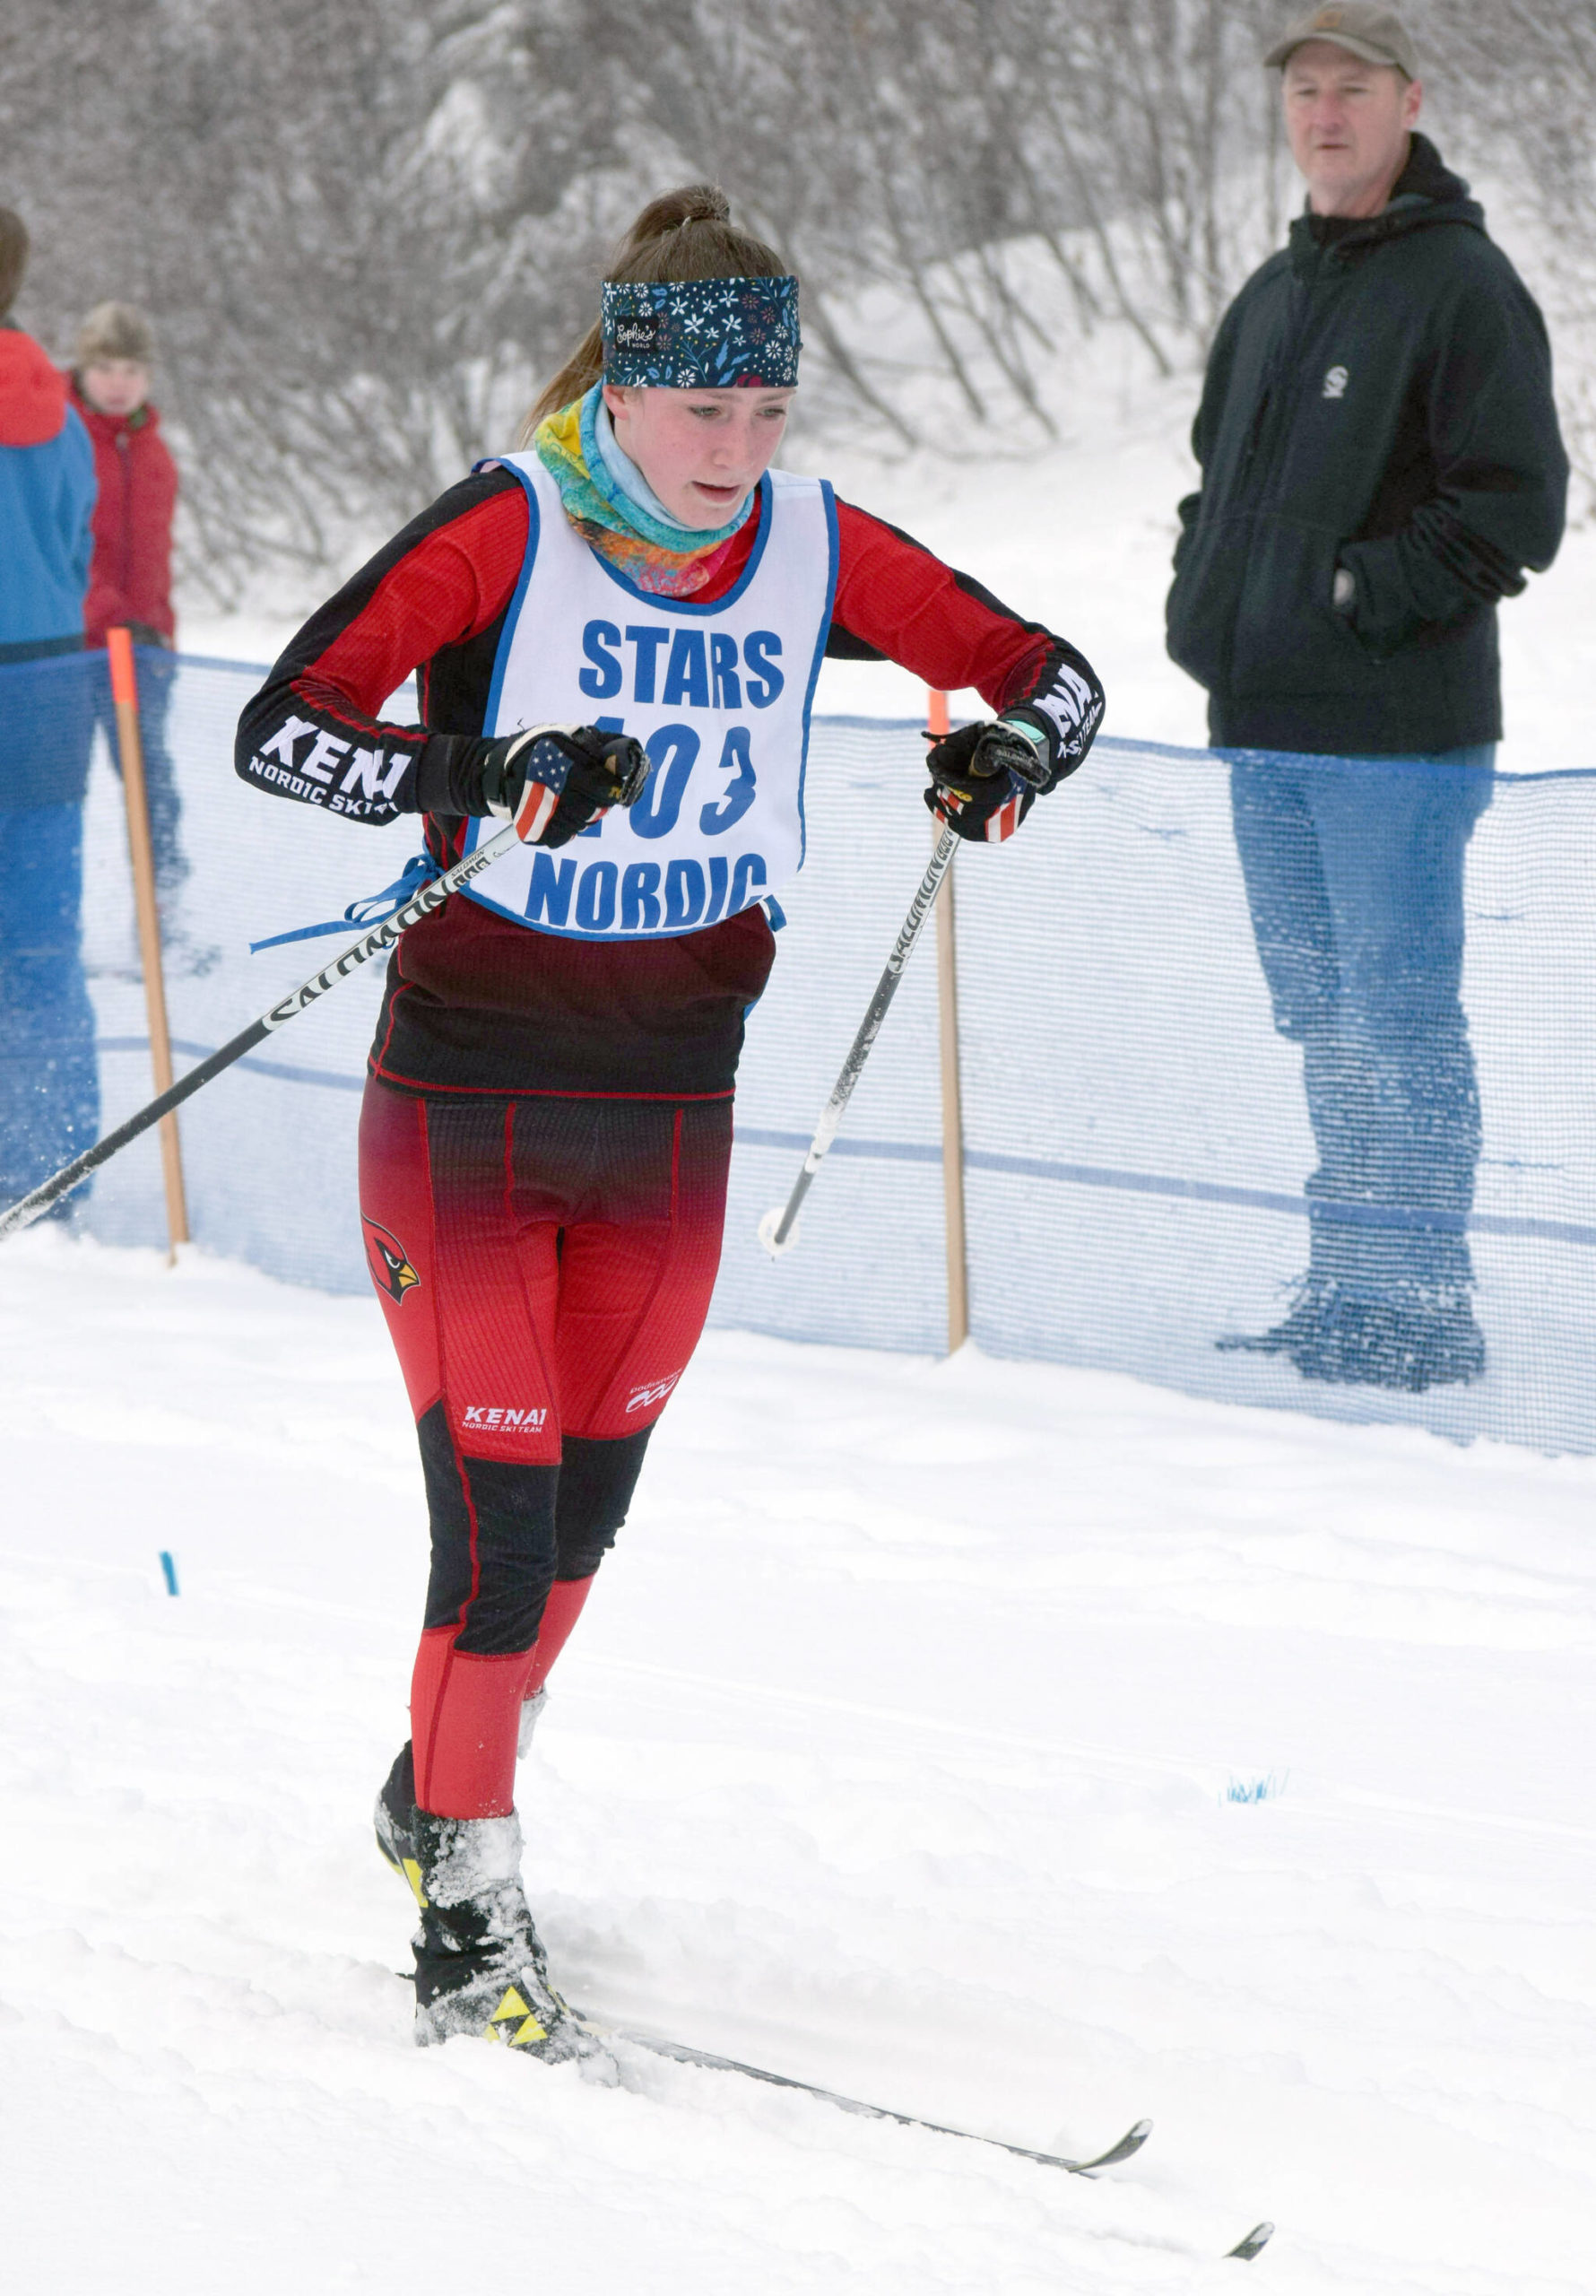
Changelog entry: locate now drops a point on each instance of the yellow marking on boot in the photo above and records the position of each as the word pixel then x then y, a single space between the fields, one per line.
pixel 412 1875
pixel 513 2010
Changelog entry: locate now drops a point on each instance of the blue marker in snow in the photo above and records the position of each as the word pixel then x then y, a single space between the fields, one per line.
pixel 169 1571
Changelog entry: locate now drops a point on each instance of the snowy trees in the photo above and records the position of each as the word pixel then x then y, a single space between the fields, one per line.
pixel 1521 74
pixel 330 211
pixel 366 226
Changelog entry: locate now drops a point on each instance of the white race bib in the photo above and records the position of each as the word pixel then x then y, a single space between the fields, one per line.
pixel 719 695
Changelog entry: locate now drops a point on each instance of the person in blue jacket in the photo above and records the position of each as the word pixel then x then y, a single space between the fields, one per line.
pixel 49 1090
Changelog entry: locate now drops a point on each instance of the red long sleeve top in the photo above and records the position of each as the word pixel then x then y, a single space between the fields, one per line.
pixel 477 1003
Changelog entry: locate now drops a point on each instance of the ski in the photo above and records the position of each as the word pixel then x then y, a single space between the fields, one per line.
pixel 1130 2144
pixel 683 2053
pixel 709 2061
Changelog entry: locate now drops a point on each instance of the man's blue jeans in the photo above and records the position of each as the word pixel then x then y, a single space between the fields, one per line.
pixel 49 1083
pixel 1354 869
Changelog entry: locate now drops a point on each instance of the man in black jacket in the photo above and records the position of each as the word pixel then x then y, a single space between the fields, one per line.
pixel 1379 462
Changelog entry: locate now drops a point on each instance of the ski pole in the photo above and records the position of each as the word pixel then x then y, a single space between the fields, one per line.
pixel 778 1230
pixel 125 701
pixel 382 936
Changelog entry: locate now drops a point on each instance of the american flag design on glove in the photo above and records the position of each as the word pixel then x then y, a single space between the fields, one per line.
pixel 984 778
pixel 1001 823
pixel 546 764
pixel 539 800
pixel 1006 820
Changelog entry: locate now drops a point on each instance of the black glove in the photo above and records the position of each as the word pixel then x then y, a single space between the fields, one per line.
pixel 552 780
pixel 145 633
pixel 984 778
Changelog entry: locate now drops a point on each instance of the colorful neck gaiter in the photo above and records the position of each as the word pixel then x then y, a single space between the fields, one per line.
pixel 655 554
pixel 631 481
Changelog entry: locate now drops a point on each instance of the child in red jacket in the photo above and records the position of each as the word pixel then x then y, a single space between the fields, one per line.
pixel 131 580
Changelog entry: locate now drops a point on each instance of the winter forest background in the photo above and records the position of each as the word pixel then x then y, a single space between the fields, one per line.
pixel 365 227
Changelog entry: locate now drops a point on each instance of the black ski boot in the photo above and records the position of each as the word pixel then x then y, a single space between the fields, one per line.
pixel 395 1814
pixel 480 1969
pixel 395 1819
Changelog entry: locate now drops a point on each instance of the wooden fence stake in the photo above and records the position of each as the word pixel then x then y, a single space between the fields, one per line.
pixel 125 695
pixel 959 1285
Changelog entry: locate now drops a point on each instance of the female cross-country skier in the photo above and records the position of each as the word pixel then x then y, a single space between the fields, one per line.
pixel 548 1119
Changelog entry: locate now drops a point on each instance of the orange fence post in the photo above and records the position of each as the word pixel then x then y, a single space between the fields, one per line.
pixel 959 1284
pixel 125 699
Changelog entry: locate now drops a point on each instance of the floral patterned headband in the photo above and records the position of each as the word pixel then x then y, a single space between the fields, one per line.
pixel 701 334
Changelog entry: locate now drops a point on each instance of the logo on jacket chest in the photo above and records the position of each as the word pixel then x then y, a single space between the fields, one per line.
pixel 1335 383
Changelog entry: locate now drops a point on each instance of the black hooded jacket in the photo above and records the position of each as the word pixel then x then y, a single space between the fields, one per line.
pixel 1378 397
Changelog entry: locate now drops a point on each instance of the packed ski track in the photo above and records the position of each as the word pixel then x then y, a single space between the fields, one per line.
pixel 896 1753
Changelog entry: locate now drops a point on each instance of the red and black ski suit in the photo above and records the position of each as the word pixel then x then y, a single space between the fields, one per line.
pixel 548 1121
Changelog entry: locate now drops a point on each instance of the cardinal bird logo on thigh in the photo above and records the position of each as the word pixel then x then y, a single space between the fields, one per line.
pixel 389 1261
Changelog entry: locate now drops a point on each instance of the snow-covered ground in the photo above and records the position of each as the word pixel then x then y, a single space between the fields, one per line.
pixel 894 1750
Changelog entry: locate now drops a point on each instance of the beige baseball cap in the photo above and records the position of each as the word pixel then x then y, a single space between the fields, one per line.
pixel 1378 35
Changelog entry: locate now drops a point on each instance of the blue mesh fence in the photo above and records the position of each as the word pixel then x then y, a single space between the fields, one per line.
pixel 1367 1058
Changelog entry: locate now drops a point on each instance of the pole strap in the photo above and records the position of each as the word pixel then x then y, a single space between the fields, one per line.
pixel 371 909
pixel 378 938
